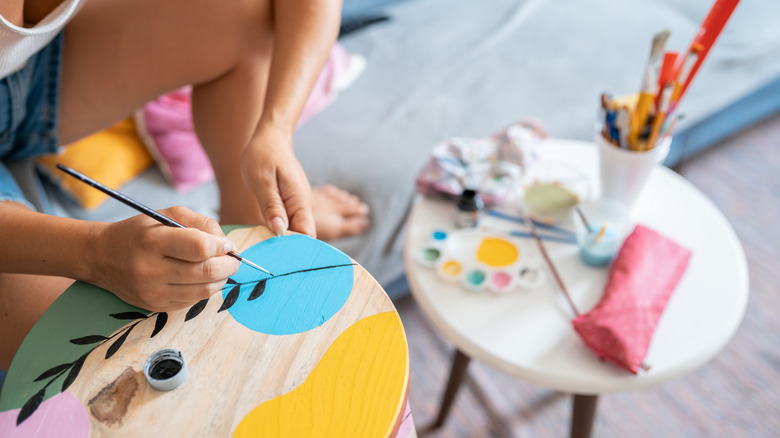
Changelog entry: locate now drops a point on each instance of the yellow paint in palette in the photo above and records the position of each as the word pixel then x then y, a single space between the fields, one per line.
pixel 348 392
pixel 451 267
pixel 497 252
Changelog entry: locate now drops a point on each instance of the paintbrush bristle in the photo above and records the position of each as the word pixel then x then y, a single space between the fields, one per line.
pixel 256 266
pixel 659 42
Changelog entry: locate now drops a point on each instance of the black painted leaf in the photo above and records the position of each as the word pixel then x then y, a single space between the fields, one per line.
pixel 231 281
pixel 159 323
pixel 86 340
pixel 230 299
pixel 118 343
pixel 52 371
pixel 196 309
pixel 128 315
pixel 257 290
pixel 31 405
pixel 74 372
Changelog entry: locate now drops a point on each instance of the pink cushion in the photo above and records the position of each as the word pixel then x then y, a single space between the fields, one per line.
pixel 641 281
pixel 165 126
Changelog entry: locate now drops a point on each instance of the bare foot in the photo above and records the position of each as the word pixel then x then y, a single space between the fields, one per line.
pixel 337 213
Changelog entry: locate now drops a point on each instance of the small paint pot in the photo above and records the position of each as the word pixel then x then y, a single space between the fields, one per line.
pixel 165 369
pixel 450 270
pixel 501 282
pixel 430 254
pixel 469 206
pixel 598 248
pixel 529 277
pixel 475 278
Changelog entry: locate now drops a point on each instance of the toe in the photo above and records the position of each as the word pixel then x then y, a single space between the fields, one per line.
pixel 355 225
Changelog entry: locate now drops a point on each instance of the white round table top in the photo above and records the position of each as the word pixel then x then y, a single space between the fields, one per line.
pixel 528 333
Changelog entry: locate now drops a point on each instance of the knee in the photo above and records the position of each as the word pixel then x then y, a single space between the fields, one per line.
pixel 256 21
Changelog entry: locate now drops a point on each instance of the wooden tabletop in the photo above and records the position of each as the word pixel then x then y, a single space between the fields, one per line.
pixel 316 350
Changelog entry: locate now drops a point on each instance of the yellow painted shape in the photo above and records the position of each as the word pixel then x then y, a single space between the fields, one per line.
pixel 496 252
pixel 357 389
pixel 451 268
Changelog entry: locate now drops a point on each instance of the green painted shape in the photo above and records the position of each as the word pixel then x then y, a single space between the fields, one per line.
pixel 228 228
pixel 82 310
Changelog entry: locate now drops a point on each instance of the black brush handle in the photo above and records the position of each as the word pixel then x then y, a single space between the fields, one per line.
pixel 120 197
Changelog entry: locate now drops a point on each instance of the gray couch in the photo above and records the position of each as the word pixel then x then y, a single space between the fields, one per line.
pixel 442 68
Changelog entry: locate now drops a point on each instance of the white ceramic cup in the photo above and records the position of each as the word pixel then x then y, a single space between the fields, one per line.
pixel 623 172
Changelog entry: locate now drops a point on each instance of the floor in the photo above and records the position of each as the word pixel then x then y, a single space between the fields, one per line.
pixel 736 394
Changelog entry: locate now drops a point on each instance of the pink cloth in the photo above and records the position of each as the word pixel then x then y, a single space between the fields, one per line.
pixel 494 165
pixel 641 281
pixel 165 124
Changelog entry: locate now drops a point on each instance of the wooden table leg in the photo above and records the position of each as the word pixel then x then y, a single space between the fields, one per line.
pixel 583 413
pixel 459 364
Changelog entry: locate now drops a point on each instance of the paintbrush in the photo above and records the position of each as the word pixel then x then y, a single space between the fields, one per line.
pixel 550 264
pixel 649 80
pixel 165 220
pixel 588 227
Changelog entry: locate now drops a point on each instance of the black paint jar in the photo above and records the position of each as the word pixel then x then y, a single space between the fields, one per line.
pixel 469 206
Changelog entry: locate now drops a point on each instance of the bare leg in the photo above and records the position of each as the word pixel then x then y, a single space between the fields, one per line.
pixel 121 54
pixel 25 298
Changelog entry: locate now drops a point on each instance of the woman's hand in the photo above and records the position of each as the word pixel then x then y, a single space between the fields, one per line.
pixel 162 268
pixel 278 181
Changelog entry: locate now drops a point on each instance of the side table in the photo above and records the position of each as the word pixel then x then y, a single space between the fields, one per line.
pixel 527 334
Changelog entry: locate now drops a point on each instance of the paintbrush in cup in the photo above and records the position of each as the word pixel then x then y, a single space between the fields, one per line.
pixel 588 227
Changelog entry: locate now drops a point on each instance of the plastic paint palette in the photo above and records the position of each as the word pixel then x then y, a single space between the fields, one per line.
pixel 479 261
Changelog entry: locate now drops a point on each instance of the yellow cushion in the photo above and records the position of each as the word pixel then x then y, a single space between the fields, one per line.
pixel 113 157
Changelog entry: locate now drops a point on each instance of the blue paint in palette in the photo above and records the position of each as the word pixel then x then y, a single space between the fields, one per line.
pixel 439 235
pixel 312 281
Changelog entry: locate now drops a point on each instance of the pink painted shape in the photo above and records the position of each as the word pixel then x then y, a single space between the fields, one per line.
pixel 407 424
pixel 60 416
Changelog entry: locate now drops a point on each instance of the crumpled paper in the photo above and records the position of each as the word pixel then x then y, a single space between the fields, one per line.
pixel 494 166
pixel 641 281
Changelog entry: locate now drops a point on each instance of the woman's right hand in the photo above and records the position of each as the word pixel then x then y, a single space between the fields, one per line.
pixel 161 268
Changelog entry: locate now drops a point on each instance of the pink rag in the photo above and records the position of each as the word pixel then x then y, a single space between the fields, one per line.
pixel 641 281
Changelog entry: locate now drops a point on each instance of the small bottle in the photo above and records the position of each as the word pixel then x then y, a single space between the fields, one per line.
pixel 469 206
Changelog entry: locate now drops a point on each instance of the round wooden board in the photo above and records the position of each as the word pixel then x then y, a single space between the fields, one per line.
pixel 307 356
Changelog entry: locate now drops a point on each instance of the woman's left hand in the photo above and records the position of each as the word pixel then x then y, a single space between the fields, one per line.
pixel 276 178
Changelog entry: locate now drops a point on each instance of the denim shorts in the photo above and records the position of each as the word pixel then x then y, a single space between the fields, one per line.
pixel 29 120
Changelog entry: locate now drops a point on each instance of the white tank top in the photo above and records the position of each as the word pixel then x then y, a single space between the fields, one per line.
pixel 18 44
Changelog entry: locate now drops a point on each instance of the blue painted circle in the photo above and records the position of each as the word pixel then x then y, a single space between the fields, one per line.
pixel 311 282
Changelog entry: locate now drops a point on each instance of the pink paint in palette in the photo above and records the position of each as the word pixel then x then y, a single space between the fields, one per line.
pixel 479 261
pixel 501 282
